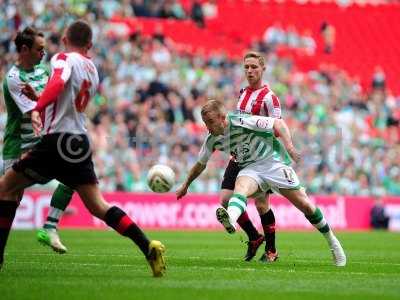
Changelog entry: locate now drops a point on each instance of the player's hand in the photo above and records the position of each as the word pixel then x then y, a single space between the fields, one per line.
pixel 36 122
pixel 29 92
pixel 294 154
pixel 182 191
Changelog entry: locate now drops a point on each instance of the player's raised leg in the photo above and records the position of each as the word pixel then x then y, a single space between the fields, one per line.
pixel 124 225
pixel 227 187
pixel 48 235
pixel 255 238
pixel 245 186
pixel 315 216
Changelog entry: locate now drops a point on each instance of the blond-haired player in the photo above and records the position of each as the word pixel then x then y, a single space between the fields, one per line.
pixel 264 164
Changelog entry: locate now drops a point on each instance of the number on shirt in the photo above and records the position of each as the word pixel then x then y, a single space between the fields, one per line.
pixel 82 99
pixel 289 175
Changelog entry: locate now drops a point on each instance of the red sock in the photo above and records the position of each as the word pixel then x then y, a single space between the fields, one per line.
pixel 123 224
pixel 248 227
pixel 268 223
pixel 7 214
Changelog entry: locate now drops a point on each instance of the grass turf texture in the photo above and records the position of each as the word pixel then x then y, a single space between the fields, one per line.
pixel 201 265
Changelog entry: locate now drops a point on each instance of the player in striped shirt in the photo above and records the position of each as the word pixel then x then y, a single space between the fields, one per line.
pixel 255 99
pixel 264 164
pixel 64 152
pixel 29 76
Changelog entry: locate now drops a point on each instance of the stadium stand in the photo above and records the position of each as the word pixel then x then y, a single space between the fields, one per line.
pixel 157 72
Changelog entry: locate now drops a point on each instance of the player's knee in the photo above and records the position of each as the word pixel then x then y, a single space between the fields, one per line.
pixel 246 186
pixel 241 188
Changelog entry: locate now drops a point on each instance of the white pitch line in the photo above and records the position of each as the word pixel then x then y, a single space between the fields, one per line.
pixel 287 270
pixel 52 253
pixel 72 263
pixel 350 262
pixel 234 269
pixel 289 260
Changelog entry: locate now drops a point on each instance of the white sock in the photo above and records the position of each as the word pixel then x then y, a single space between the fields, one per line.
pixel 329 236
pixel 236 206
pixel 234 214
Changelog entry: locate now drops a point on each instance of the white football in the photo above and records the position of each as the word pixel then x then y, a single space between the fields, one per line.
pixel 160 178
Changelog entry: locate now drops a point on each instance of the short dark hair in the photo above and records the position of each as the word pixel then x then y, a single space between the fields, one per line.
pixel 79 33
pixel 26 37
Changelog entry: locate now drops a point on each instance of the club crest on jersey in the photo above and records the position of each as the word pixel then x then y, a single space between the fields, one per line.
pixel 262 123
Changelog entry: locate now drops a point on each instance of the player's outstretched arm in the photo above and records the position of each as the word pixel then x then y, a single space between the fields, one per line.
pixel 194 172
pixel 284 134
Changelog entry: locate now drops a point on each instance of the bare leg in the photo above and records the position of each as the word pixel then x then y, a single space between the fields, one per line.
pixel 123 224
pixel 93 200
pixel 262 203
pixel 12 185
pixel 314 215
pixel 299 199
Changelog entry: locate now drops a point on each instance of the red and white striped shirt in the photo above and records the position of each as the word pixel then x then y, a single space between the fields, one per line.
pixel 261 102
pixel 80 78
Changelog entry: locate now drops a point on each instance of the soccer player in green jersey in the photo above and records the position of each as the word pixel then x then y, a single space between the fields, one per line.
pixel 264 164
pixel 28 77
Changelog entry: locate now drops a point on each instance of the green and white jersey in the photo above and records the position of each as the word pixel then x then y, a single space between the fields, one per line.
pixel 248 139
pixel 19 135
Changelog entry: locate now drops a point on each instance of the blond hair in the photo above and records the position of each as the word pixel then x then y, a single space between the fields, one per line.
pixel 257 55
pixel 212 106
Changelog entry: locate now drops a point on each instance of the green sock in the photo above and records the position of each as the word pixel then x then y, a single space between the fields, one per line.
pixel 318 221
pixel 59 201
pixel 237 205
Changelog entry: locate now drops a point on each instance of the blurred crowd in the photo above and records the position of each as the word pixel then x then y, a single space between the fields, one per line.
pixel 276 35
pixel 147 110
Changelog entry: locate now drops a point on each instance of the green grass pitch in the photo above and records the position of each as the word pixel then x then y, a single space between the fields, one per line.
pixel 201 265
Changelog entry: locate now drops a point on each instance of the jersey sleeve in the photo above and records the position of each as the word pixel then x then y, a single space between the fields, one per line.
pixel 14 85
pixel 252 122
pixel 62 66
pixel 206 150
pixel 61 70
pixel 275 107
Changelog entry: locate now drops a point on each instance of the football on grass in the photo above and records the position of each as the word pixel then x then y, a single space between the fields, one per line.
pixel 160 178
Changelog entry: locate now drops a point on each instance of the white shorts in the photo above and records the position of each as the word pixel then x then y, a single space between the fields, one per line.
pixel 272 175
pixel 7 164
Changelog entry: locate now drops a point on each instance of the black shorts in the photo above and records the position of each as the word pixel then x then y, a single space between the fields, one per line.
pixel 230 175
pixel 63 156
pixel 231 172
